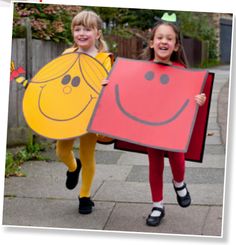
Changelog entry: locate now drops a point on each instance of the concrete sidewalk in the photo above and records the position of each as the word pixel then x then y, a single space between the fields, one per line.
pixel 121 190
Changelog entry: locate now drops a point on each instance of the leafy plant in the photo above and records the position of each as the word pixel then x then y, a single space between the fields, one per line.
pixel 200 26
pixel 48 22
pixel 12 167
pixel 15 160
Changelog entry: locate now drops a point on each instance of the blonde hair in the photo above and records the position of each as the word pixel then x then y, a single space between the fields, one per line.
pixel 90 19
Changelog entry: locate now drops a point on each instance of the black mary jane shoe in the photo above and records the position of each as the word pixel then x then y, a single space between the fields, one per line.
pixel 73 177
pixel 85 205
pixel 155 220
pixel 184 201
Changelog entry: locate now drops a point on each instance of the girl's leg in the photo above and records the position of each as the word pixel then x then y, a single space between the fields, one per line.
pixel 64 151
pixel 177 163
pixel 156 168
pixel 87 157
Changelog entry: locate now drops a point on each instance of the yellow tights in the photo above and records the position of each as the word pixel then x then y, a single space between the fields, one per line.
pixel 64 151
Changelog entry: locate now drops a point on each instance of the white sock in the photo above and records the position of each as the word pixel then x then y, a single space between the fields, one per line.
pixel 156 213
pixel 183 192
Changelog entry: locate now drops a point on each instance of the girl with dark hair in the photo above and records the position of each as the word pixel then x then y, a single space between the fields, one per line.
pixel 165 47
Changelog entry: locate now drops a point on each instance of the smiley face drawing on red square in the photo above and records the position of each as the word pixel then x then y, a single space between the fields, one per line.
pixel 149 104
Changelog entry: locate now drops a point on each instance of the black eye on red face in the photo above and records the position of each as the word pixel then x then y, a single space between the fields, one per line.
pixel 149 75
pixel 74 82
pixel 164 78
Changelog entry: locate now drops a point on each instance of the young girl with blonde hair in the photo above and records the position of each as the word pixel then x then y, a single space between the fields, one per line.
pixel 86 29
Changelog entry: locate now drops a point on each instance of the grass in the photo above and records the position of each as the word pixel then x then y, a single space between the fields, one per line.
pixel 13 167
pixel 14 161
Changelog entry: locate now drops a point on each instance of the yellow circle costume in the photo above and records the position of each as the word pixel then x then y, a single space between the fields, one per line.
pixel 61 97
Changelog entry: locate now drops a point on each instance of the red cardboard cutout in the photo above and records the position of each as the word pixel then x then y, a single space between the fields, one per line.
pixel 197 143
pixel 149 104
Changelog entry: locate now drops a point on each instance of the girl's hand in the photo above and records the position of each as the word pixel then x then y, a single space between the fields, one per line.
pixel 200 99
pixel 105 82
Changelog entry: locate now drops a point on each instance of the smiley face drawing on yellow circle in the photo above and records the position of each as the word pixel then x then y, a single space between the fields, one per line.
pixel 60 98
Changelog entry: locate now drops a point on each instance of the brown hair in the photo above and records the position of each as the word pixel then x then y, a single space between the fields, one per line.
pixel 178 56
pixel 90 19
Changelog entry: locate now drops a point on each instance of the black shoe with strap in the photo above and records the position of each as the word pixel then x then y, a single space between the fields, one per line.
pixel 184 201
pixel 73 177
pixel 155 220
pixel 85 205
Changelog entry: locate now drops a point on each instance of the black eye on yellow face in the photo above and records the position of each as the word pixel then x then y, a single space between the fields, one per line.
pixel 74 82
pixel 66 79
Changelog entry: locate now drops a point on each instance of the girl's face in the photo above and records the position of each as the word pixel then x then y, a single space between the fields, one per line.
pixel 164 43
pixel 85 37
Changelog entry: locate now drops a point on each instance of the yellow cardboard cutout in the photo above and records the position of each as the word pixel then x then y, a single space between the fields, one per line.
pixel 60 98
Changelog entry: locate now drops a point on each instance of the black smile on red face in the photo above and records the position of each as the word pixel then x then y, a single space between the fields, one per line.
pixel 163 80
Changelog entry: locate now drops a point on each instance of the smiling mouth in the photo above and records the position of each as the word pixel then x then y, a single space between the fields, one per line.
pixel 65 119
pixel 151 123
pixel 163 48
pixel 82 39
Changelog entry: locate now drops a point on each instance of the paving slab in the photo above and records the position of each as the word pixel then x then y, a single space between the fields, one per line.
pixel 104 156
pixel 132 217
pixel 130 158
pixel 222 112
pixel 135 192
pixel 213 120
pixel 127 217
pixel 207 194
pixel 56 213
pixel 209 161
pixel 43 179
pixel 120 191
pixel 112 172
pixel 213 140
pixel 107 157
pixel 212 125
pixel 213 157
pixel 47 179
pixel 193 175
pixel 214 149
pixel 213 224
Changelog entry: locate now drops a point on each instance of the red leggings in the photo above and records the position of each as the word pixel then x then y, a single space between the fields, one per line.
pixel 156 169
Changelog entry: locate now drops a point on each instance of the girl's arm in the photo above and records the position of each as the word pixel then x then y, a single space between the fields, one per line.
pixel 107 64
pixel 200 99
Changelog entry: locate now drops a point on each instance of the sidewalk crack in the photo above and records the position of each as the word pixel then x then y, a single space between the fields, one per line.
pixel 109 216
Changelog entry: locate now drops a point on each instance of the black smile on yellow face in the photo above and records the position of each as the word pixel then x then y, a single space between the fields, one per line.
pixel 67 93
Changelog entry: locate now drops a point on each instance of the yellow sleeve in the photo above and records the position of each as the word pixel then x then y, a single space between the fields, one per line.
pixel 106 60
pixel 108 63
